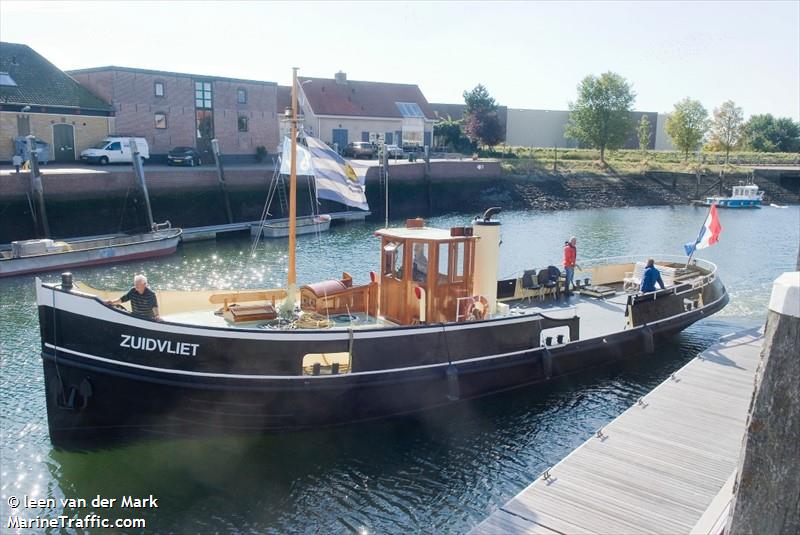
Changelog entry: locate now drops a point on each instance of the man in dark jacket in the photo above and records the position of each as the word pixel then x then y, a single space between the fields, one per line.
pixel 651 277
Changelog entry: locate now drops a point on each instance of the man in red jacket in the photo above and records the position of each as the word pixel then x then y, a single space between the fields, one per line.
pixel 570 253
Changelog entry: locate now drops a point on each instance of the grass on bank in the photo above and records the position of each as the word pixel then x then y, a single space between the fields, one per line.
pixel 526 161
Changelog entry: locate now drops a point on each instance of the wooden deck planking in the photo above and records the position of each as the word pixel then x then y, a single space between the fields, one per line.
pixel 659 466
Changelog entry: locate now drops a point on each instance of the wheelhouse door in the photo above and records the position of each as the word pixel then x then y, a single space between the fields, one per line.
pixel 393 281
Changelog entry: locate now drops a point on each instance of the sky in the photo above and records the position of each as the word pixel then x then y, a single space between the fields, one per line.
pixel 528 54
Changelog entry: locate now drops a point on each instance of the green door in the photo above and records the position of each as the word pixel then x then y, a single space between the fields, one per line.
pixel 63 143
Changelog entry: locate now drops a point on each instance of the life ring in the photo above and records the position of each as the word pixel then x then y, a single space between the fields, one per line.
pixel 477 308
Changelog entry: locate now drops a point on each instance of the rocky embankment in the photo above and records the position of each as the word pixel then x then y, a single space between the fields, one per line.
pixel 575 191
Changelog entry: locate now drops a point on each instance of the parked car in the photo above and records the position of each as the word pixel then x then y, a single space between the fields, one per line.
pixel 115 150
pixel 394 151
pixel 360 149
pixel 184 156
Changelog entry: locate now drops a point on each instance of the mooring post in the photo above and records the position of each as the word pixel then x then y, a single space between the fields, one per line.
pixel 221 178
pixel 36 185
pixel 767 491
pixel 138 170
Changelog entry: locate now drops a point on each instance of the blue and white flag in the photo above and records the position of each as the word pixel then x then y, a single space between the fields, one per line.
pixel 336 180
pixel 304 167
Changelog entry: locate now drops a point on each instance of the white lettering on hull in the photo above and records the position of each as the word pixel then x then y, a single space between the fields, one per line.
pixel 162 346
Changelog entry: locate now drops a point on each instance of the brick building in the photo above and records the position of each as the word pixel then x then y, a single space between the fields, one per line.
pixel 173 109
pixel 39 99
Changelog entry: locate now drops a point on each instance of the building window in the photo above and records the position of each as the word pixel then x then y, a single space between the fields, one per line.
pixel 205 125
pixel 202 95
pixel 161 121
pixel 159 89
pixel 241 96
pixel 7 80
pixel 242 123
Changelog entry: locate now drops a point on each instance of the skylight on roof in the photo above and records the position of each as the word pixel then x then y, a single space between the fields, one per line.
pixel 6 79
pixel 409 109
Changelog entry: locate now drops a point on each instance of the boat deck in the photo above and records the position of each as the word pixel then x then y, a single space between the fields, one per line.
pixel 599 317
pixel 208 318
pixel 666 465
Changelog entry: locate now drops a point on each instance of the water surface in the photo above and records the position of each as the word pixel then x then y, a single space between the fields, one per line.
pixel 443 471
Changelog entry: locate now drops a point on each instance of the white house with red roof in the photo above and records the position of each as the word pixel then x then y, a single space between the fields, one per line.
pixel 340 111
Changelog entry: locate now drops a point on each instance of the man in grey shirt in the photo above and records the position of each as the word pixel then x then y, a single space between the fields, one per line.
pixel 144 303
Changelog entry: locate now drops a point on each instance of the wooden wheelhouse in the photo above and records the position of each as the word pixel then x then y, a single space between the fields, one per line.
pixel 425 272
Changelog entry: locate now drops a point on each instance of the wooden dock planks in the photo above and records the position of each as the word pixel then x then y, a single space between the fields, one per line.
pixel 659 466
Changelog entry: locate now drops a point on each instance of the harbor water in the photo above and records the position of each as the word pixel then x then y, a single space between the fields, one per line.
pixel 442 471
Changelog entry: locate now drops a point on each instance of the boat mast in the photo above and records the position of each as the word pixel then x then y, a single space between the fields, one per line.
pixel 292 278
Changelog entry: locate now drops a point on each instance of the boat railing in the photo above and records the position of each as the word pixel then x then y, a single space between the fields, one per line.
pixel 708 268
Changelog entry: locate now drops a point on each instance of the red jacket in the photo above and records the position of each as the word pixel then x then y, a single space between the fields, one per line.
pixel 569 255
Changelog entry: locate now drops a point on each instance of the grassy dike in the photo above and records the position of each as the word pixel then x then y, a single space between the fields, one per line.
pixel 528 161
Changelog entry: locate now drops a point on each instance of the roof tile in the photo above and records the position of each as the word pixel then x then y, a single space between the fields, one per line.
pixel 39 82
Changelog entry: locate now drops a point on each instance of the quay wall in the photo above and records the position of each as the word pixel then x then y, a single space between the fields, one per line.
pixel 106 200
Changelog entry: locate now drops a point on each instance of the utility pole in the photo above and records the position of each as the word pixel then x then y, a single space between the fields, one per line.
pixel 221 178
pixel 36 185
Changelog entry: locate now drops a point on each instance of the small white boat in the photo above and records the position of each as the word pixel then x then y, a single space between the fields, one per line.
pixel 747 196
pixel 32 256
pixel 280 228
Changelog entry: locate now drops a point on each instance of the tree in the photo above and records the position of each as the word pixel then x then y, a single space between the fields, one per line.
pixel 687 125
pixel 485 128
pixel 600 118
pixel 764 133
pixel 726 126
pixel 479 100
pixel 481 122
pixel 644 134
pixel 787 135
pixel 450 133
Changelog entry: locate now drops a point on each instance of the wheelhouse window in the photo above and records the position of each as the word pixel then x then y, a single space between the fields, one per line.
pixel 460 260
pixel 202 95
pixel 159 89
pixel 419 264
pixel 241 96
pixel 161 121
pixel 243 123
pixel 393 260
pixel 444 261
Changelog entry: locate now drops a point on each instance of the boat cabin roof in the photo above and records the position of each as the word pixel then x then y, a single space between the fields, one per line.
pixel 421 233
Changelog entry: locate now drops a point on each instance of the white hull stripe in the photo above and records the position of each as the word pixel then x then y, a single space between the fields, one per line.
pixel 281 377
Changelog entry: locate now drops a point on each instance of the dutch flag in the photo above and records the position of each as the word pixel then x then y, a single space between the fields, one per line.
pixel 709 233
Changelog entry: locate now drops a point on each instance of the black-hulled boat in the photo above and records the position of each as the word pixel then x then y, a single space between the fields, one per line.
pixel 358 352
pixel 434 326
